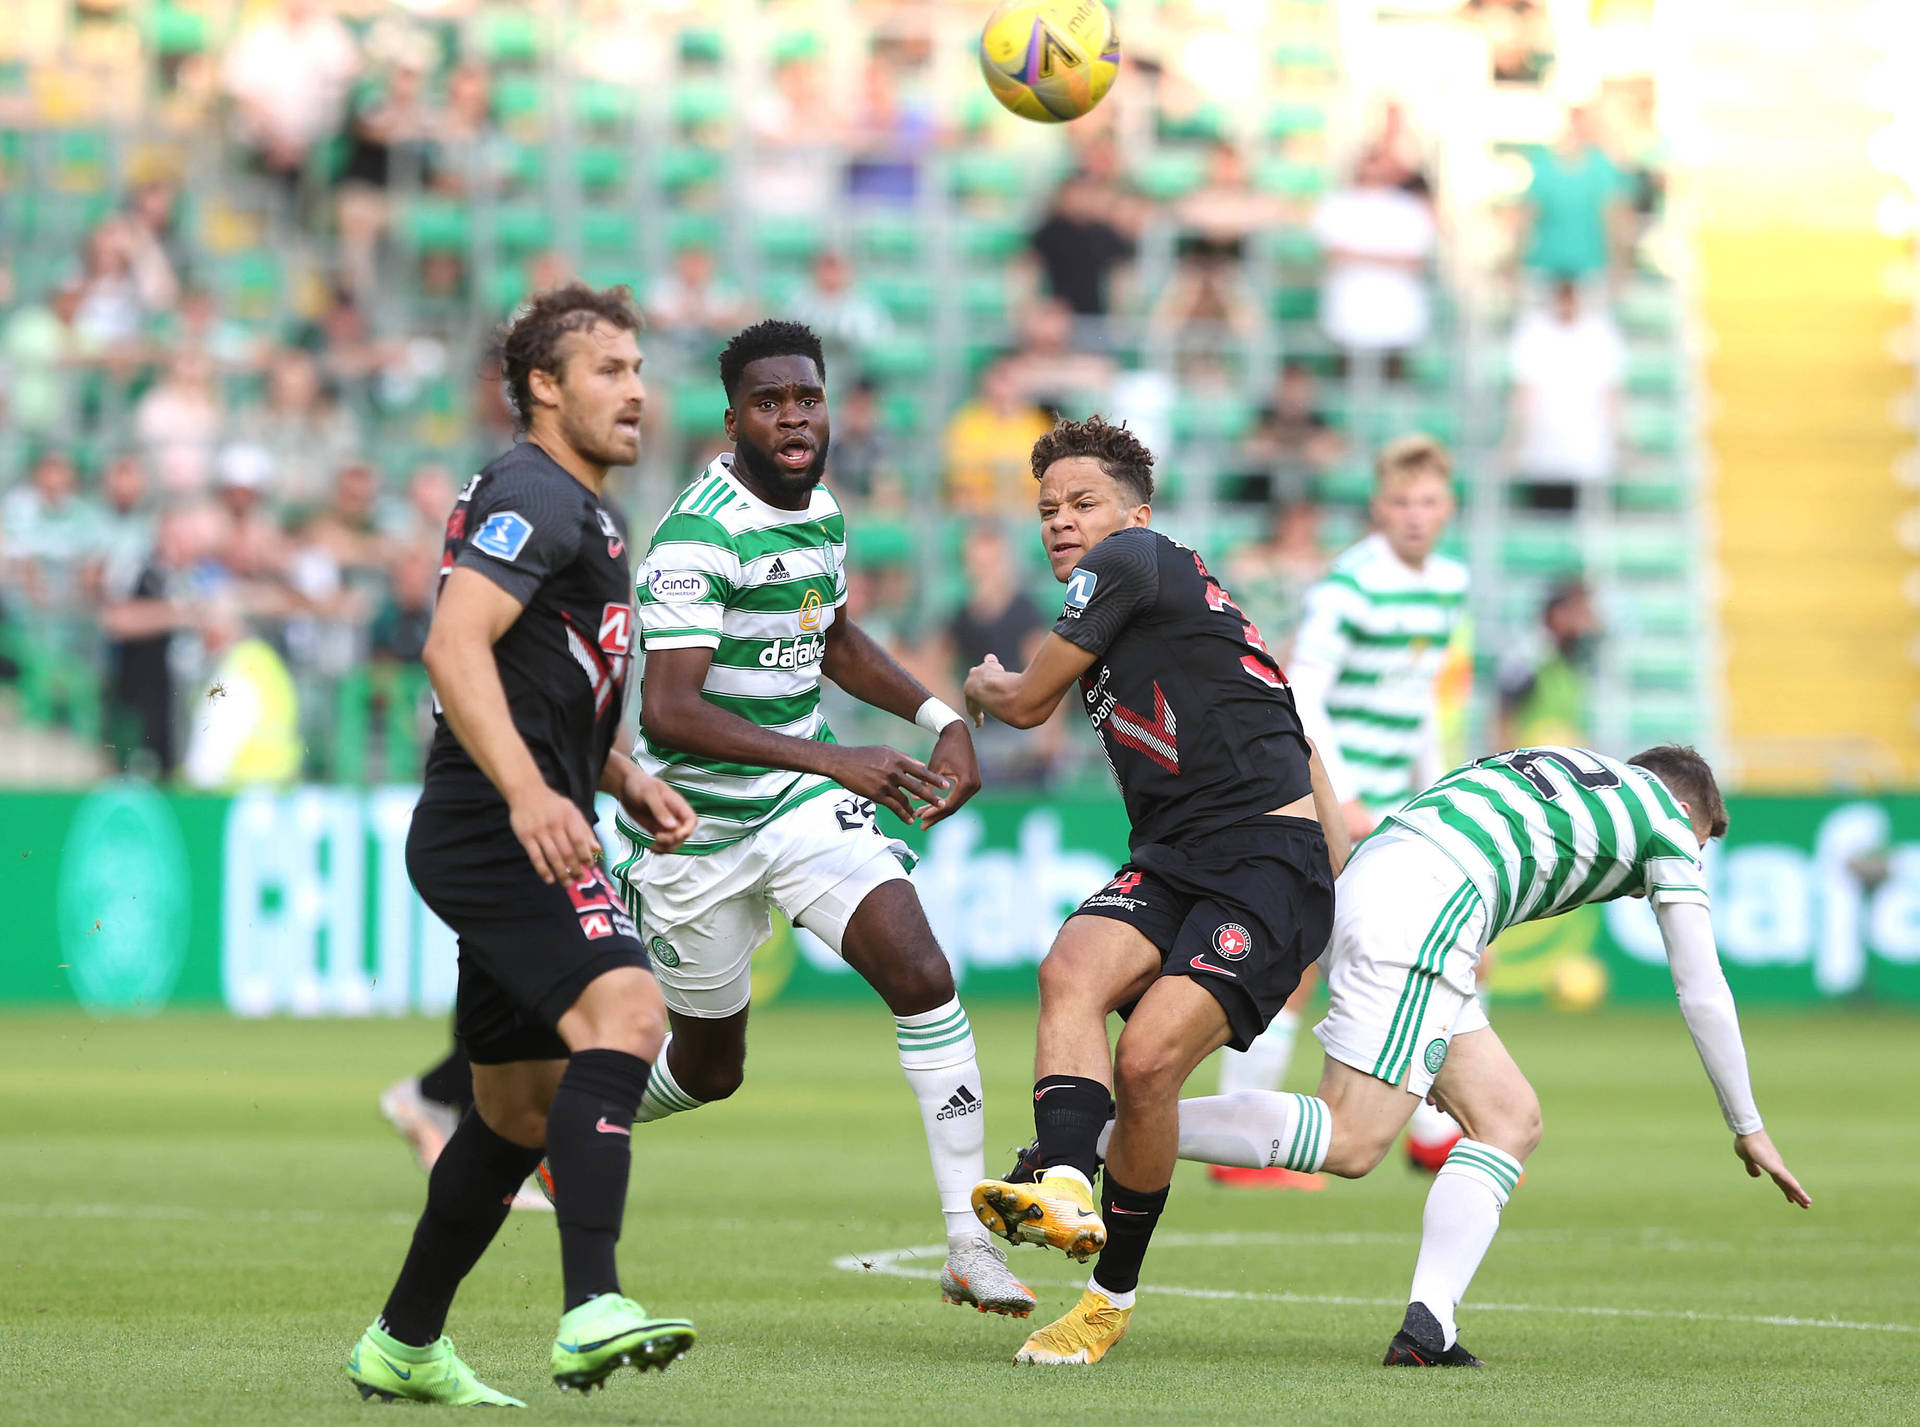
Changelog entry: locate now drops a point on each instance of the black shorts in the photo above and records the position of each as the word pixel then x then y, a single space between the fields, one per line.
pixel 527 949
pixel 1243 911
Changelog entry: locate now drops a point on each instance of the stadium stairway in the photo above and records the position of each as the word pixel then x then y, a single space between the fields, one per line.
pixel 1820 688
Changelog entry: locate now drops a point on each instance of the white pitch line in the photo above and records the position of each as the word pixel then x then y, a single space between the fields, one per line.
pixel 188 1214
pixel 891 1262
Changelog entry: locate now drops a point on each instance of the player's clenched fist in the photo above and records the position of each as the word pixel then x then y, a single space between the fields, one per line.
pixel 977 678
pixel 952 759
pixel 558 839
pixel 659 808
pixel 888 777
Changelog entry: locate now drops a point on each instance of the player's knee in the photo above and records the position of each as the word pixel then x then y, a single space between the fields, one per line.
pixel 1146 1070
pixel 707 1083
pixel 629 1016
pixel 919 982
pixel 1064 980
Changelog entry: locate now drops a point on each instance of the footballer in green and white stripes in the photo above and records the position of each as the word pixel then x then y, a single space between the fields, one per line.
pixel 1516 837
pixel 740 606
pixel 1364 664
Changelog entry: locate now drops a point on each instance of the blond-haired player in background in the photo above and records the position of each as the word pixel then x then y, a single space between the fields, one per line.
pixel 1365 663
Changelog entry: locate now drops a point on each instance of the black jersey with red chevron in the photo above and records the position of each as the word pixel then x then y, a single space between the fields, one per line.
pixel 1193 710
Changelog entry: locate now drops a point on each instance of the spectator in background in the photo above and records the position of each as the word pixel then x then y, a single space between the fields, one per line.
pixel 250 546
pixel 996 616
pixel 178 422
pixel 847 320
pixel 1575 208
pixel 141 625
pixel 387 141
pixel 288 73
pixel 1215 221
pixel 861 462
pixel 420 516
pixel 1401 152
pixel 198 322
pixel 1546 687
pixel 152 244
pixel 894 124
pixel 692 307
pixel 398 634
pixel 468 155
pixel 1079 245
pixel 40 346
pixel 1569 366
pixel 111 309
pixel 988 444
pixel 1046 369
pixel 348 528
pixel 125 534
pixel 1271 578
pixel 798 134
pixel 1291 444
pixel 49 531
pixel 306 433
pixel 1377 240
pixel 245 730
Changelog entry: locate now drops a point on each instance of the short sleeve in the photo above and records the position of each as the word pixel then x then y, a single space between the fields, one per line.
pixel 519 535
pixel 1675 872
pixel 1117 580
pixel 1324 637
pixel 684 586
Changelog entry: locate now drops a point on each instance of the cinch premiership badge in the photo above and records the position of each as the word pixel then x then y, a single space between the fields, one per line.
pixel 1436 1055
pixel 1231 941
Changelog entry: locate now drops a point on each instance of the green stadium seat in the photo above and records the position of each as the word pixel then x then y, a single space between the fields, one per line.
pixel 903 411
pixel 1296 304
pixel 608 230
pixel 615 272
pixel 985 299
pixel 175 32
pixel 517 100
pixel 526 165
pixel 1657 666
pixel 1655 613
pixel 82 160
pixel 507 35
pixel 1350 484
pixel 1652 554
pixel 1290 180
pixel 1654 373
pixel 1439 422
pixel 1206 124
pixel 1654 429
pixel 1168 174
pixel 977 173
pixel 700 45
pixel 523 227
pixel 690 230
pixel 1431 368
pixel 505 288
pixel 1222 418
pixel 1291 247
pixel 1654 491
pixel 885 238
pixel 699 102
pixel 682 167
pixel 1290 117
pixel 791 241
pixel 907 299
pixel 699 408
pixel 601 104
pixel 1646 311
pixel 1665 719
pixel 908 359
pixel 1540 550
pixel 1303 54
pixel 599 167
pixel 989 241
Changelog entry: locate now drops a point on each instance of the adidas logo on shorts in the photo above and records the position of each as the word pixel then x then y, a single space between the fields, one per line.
pixel 962 1102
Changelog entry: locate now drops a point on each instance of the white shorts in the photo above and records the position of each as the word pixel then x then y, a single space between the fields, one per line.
pixel 1408 930
pixel 702 917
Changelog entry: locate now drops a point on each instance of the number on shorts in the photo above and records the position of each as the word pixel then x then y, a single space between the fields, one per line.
pixel 854 814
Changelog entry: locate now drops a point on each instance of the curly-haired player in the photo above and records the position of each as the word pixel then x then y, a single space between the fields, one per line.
pixel 529 653
pixel 1227 895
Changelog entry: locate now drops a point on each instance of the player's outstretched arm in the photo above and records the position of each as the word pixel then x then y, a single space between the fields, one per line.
pixel 859 664
pixel 1027 699
pixel 674 714
pixel 1706 1002
pixel 470 615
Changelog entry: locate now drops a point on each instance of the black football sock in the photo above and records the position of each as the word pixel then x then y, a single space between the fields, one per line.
pixel 451 1081
pixel 1129 1216
pixel 589 1150
pixel 468 1196
pixel 1069 1112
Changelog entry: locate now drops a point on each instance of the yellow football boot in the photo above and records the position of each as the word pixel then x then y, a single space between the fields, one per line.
pixel 1082 1335
pixel 1057 1212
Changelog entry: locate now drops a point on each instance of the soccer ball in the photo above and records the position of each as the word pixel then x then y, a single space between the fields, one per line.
pixel 1577 983
pixel 1049 60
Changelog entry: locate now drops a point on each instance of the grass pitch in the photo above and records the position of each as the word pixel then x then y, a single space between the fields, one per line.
pixel 198 1217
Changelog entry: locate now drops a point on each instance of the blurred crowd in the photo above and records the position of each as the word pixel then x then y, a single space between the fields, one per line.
pixel 205 510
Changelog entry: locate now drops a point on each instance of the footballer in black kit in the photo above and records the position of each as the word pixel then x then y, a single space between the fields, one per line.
pixel 1225 898
pixel 529 655
pixel 541 536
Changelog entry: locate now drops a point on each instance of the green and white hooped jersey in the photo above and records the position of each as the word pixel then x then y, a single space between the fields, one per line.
pixel 1540 831
pixel 1383 628
pixel 759 586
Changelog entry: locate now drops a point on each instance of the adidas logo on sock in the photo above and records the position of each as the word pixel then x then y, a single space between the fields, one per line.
pixel 962 1102
pixel 777 570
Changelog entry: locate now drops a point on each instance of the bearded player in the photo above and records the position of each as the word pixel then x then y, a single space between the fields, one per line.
pixel 741 610
pixel 1227 894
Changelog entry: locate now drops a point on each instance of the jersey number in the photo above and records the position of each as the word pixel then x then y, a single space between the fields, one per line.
pixel 1263 666
pixel 1527 763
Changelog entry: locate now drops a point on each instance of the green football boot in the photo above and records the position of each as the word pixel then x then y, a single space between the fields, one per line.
pixel 383 1367
pixel 611 1332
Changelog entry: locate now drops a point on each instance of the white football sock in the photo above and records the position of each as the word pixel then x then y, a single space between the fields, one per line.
pixel 1463 1211
pixel 663 1095
pixel 1254 1129
pixel 937 1054
pixel 1262 1065
pixel 1430 1124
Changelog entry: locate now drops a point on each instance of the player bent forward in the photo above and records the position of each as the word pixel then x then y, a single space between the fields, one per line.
pixel 1513 838
pixel 1228 891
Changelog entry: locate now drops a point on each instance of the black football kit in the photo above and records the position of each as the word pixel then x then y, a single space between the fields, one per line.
pixel 1199 726
pixel 527 948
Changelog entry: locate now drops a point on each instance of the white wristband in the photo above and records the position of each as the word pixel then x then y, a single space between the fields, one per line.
pixel 934 716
